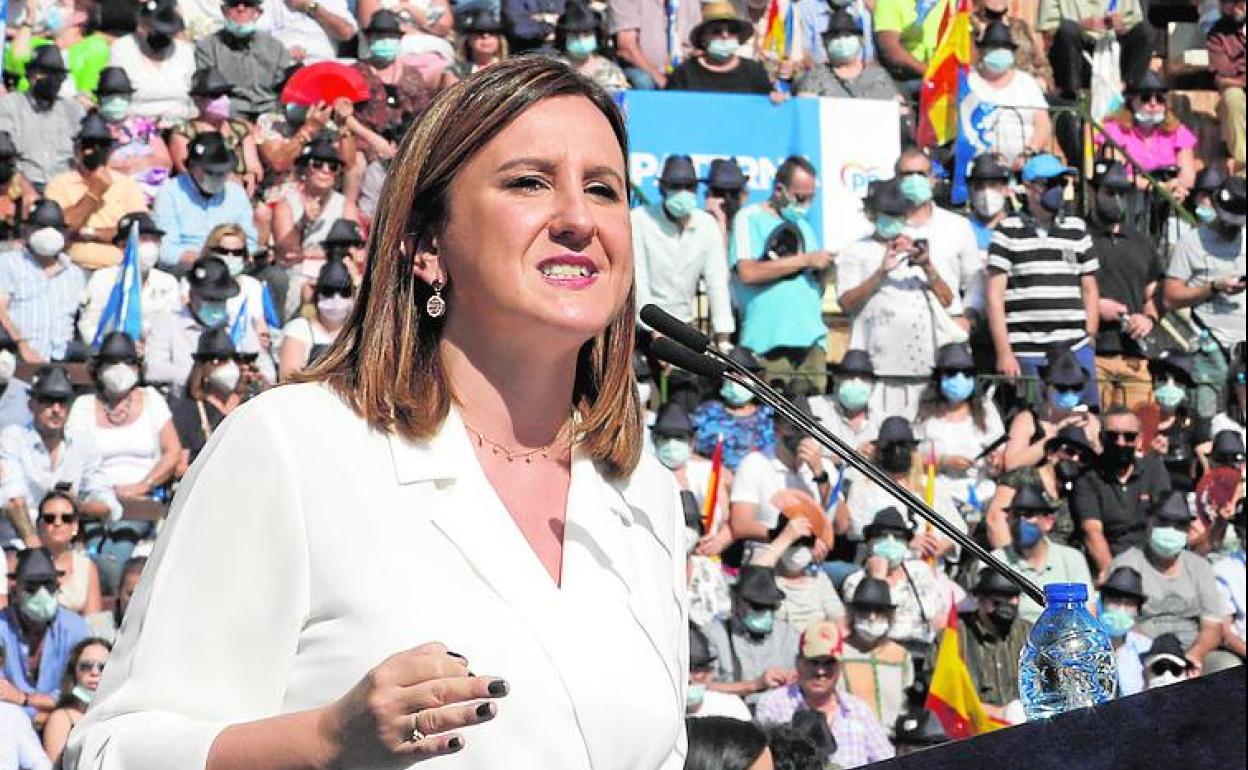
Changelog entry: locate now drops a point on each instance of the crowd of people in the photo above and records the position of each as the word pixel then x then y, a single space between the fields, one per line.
pixel 1058 367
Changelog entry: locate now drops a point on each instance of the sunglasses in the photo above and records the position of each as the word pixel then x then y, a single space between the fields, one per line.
pixel 691 187
pixel 1068 388
pixel 46 401
pixel 1031 514
pixel 1166 667
pixel 1115 436
pixel 955 372
pixel 241 4
pixel 88 666
pixel 720 30
pixel 221 251
pixel 1154 98
pixel 58 518
pixel 324 165
pixel 344 293
pixel 822 662
pixel 51 585
pixel 802 198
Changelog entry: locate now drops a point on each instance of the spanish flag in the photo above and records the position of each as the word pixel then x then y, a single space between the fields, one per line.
pixel 945 85
pixel 951 696
pixel 711 503
pixel 779 37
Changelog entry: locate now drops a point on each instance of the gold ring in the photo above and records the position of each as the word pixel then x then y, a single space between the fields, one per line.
pixel 416 733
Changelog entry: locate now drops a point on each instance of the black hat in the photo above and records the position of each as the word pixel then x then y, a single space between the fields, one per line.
pixel 93 128
pixel 745 357
pixel 725 174
pixel 1149 83
pixel 954 356
pixel 757 585
pixel 383 22
pixel 855 362
pixel 785 240
pixel 334 276
pixel 1228 447
pixel 7 148
pixel 989 166
pixel 991 582
pixel 1176 362
pixel 210 82
pixel 215 344
pixel 1166 647
pixel 672 420
pixel 47 58
pixel 320 148
pixel 841 24
pixel 1030 498
pixel 47 213
pixel 117 347
pixel 161 16
pixel 700 653
pixel 113 80
pixel 995 35
pixel 1111 175
pixel 1172 508
pixel 1210 178
pixel 35 565
pixel 470 22
pixel 885 197
pixel 873 593
pixel 720 12
pixel 1232 200
pixel 895 430
pixel 344 232
pixel 920 728
pixel 678 170
pixel 577 17
pixel 52 381
pixel 144 220
pixel 1125 581
pixel 885 521
pixel 1063 369
pixel 1071 435
pixel 208 150
pixel 210 278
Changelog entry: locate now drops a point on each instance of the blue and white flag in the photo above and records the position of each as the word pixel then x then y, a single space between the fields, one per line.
pixel 124 311
pixel 238 331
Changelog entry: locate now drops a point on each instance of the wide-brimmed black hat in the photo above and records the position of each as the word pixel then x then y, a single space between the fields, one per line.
pixel 920 728
pixel 210 82
pixel 46 213
pixel 726 174
pixel 113 80
pixel 873 593
pixel 1148 83
pixel 383 22
pixel 1063 370
pixel 678 170
pixel 475 22
pixel 7 148
pixel 1172 508
pixel 757 585
pixel 577 17
pixel 215 344
pixel 954 357
pixel 995 35
pixel 1111 175
pixel 992 583
pixel 842 23
pixel 47 58
pixel 745 357
pixel 1232 201
pixel 334 276
pixel 989 166
pixel 144 220
pixel 1210 179
pixel 1125 581
pixel 1228 447
pixel 895 430
pixel 93 128
pixel 1030 499
pixel 161 16
pixel 673 421
pixel 700 653
pixel 117 347
pixel 210 278
pixel 209 150
pixel 52 382
pixel 1166 647
pixel 888 520
pixel 784 240
pixel 320 148
pixel 1176 362
pixel 344 232
pixel 720 12
pixel 1071 435
pixel 885 197
pixel 855 362
pixel 35 565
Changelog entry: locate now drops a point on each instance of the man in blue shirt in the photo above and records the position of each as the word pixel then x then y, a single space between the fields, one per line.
pixel 40 288
pixel 190 205
pixel 779 269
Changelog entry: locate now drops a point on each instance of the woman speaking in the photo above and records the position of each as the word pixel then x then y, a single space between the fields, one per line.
pixel 442 544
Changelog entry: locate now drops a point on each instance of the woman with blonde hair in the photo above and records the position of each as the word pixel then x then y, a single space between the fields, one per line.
pixel 462 470
pixel 228 242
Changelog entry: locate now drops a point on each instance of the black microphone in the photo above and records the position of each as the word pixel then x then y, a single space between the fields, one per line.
pixel 666 349
pixel 669 326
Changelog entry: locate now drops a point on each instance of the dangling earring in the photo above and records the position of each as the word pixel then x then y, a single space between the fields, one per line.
pixel 435 306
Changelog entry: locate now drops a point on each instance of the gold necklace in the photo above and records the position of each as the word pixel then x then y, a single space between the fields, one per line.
pixel 511 455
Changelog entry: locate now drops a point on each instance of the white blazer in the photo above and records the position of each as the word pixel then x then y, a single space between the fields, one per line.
pixel 305 548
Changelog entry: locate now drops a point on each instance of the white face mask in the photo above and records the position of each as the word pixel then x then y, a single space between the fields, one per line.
pixel 988 203
pixel 224 379
pixel 118 379
pixel 871 629
pixel 149 255
pixel 46 242
pixel 1164 679
pixel 334 309
pixel 796 559
pixel 8 365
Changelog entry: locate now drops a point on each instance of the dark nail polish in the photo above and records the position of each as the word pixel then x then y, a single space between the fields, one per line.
pixel 485 710
pixel 456 655
pixel 455 743
pixel 498 687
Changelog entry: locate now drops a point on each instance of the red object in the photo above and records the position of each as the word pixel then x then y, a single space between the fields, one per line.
pixel 1217 489
pixel 712 492
pixel 944 81
pixel 327 82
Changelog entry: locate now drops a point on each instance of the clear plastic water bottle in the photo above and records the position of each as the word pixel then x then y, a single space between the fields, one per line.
pixel 1068 662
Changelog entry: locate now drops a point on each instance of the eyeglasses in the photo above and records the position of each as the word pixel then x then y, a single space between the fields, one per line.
pixel 88 666
pixel 221 251
pixel 58 518
pixel 324 165
pixel 1119 436
pixel 1153 98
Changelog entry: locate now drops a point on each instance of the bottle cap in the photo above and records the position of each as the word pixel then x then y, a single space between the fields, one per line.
pixel 1065 592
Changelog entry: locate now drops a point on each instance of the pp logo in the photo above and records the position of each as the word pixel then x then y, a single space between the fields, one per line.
pixel 856 178
pixel 978 121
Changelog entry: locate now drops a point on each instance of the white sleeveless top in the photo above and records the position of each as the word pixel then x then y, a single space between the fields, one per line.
pixel 73 593
pixel 128 452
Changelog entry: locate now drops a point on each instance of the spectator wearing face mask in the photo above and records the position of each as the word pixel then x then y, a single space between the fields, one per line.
pixel 139 149
pixel 1120 602
pixel 1059 404
pixel 781 295
pixel 397 92
pixel 578 37
pixel 672 435
pixel 78 686
pixel 1180 436
pixel 846 72
pixel 58 525
pixel 93 197
pixel 991 636
pixel 174 337
pixel 1182 593
pixel 1042 279
pixel 676 247
pixel 1016 119
pixel 213 113
pixel 726 192
pixel 1225 43
pixel 16 194
pixel 305 339
pixel 190 205
pixel 719 65
pixel 42 123
pixel 989 180
pixel 212 392
pixel 42 630
pixel 1029 57
pixel 229 244
pixel 311 30
pixel 14 392
pixel 1165 663
pixel 159 64
pixel 701 700
pixel 251 60
pixel 1066 455
pixel 41 288
pixel 1229 572
pixel 642 38
pixel 798 542
pixel 846 412
pixel 753 650
pixel 1152 134
pixel 875 669
pixel 735 418
pixel 159 292
pixel 1207 271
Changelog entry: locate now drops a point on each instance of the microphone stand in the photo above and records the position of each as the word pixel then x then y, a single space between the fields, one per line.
pixel 689 349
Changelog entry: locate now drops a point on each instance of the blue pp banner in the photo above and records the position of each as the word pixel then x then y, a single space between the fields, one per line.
pixel 849 141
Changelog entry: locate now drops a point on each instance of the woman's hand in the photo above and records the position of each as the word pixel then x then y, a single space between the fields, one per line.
pixel 424 689
pixel 956 463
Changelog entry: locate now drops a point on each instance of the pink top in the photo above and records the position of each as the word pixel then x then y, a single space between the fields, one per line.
pixel 1156 150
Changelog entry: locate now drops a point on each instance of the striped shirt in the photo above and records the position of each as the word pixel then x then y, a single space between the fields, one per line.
pixel 1043 293
pixel 42 306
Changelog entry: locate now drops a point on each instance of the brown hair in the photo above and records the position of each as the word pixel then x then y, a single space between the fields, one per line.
pixel 1125 117
pixel 385 361
pixel 69 679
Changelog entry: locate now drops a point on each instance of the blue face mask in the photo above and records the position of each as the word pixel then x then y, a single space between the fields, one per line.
pixel 890 549
pixel 795 212
pixel 998 60
pixel 957 388
pixel 1066 400
pixel 1167 542
pixel 734 394
pixel 759 621
pixel 385 49
pixel 722 48
pixel 844 49
pixel 917 188
pixel 1117 622
pixel 1206 214
pixel 240 29
pixel 582 46
pixel 213 314
pixel 888 228
pixel 114 108
pixel 1169 395
pixel 1053 198
pixel 853 394
pixel 672 452
pixel 83 695
pixel 54 19
pixel 680 204
pixel 1028 534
